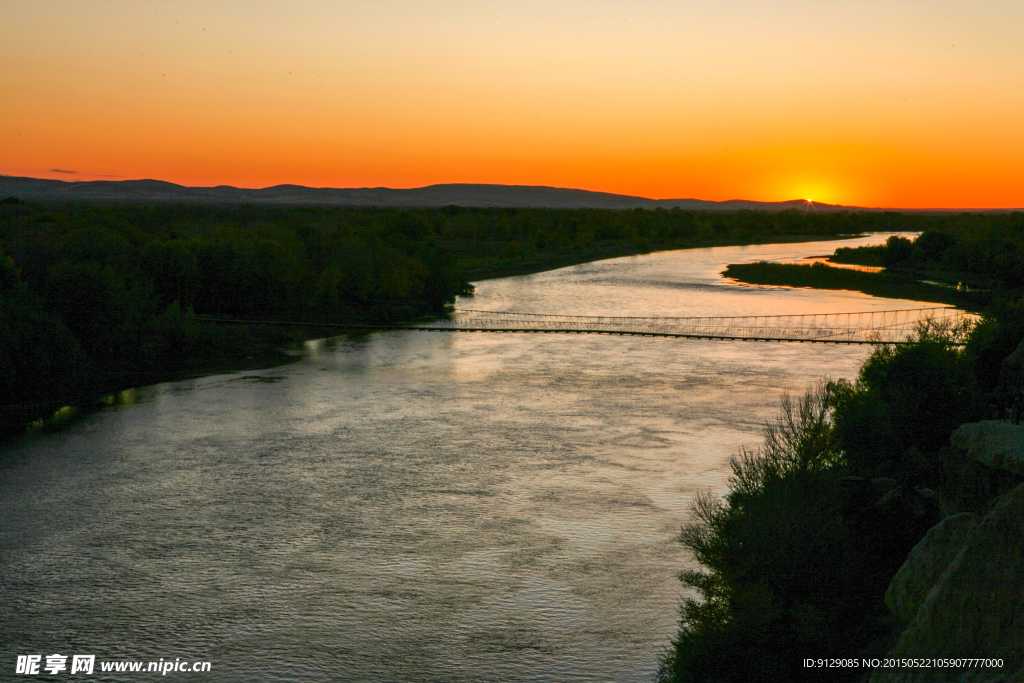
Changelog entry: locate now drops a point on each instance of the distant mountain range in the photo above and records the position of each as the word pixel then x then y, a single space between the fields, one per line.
pixel 510 196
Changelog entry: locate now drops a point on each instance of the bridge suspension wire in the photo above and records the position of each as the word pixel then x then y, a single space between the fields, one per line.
pixel 866 327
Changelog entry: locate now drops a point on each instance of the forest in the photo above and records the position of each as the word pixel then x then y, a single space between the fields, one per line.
pixel 966 260
pixel 983 253
pixel 97 298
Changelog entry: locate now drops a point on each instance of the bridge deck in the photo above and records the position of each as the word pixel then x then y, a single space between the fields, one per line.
pixel 866 327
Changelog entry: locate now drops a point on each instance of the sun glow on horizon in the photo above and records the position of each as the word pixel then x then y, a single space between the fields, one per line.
pixel 845 102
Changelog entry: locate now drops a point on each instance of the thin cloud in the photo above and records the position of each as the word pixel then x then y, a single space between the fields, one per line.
pixel 61 170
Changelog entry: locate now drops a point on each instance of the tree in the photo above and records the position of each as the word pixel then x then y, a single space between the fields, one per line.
pixel 898 250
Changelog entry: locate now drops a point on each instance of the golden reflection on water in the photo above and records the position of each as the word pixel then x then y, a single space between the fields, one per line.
pixel 409 505
pixel 832 264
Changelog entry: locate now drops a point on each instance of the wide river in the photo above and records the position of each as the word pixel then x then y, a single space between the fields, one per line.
pixel 409 506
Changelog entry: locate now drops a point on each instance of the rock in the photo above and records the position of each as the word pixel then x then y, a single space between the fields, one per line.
pixel 926 563
pixel 905 502
pixel 994 443
pixel 1011 381
pixel 924 492
pixel 882 485
pixel 975 609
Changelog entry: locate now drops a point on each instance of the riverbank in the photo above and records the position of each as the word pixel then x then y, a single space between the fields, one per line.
pixel 266 349
pixel 527 481
pixel 492 268
pixel 95 299
pixel 882 284
pixel 234 347
pixel 858 492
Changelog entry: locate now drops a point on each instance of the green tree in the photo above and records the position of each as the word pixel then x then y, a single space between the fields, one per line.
pixel 898 251
pixel 781 571
pixel 907 400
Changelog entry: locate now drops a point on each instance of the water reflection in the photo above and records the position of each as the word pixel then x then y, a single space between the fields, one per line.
pixel 409 506
pixel 67 415
pixel 832 264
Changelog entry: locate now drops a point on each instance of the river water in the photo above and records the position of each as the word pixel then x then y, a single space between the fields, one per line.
pixel 409 506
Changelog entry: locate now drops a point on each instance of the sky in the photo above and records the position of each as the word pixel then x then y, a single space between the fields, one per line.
pixel 895 103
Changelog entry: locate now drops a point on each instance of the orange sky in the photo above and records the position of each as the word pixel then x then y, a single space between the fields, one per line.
pixel 918 103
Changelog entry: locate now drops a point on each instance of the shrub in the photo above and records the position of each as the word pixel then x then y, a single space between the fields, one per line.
pixel 997 335
pixel 781 571
pixel 907 398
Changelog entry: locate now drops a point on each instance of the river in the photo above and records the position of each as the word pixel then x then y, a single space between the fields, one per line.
pixel 409 506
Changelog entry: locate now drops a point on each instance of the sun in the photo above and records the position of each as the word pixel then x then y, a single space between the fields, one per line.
pixel 806 188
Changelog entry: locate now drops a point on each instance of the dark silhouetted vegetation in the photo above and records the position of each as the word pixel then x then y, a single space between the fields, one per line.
pixel 972 255
pixel 822 276
pixel 861 256
pixel 985 250
pixel 98 298
pixel 795 559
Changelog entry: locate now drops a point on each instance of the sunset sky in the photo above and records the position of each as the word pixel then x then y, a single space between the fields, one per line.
pixel 899 103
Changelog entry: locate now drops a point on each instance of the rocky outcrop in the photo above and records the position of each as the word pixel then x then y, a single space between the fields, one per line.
pixel 961 590
pixel 1011 382
pixel 926 563
pixel 995 443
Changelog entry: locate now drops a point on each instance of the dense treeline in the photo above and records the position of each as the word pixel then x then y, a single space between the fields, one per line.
pixel 502 240
pixel 822 276
pixel 981 249
pixel 100 298
pixel 973 258
pixel 795 560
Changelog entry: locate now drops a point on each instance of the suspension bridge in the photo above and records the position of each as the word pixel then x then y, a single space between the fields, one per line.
pixel 865 327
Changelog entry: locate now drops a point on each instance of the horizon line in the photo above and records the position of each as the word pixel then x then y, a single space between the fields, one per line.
pixel 803 200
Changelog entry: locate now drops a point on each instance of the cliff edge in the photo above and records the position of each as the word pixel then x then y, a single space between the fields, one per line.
pixel 960 592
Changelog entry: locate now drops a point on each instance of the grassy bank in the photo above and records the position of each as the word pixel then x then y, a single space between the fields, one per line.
pixel 883 284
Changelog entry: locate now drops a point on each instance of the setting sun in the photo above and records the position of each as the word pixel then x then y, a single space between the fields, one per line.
pixel 847 102
pixel 465 340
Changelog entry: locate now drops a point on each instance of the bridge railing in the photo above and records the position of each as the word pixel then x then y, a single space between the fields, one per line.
pixel 865 327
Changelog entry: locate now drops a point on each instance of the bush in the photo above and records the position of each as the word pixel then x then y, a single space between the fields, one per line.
pixel 782 572
pixel 933 245
pixel 907 399
pixel 898 250
pixel 998 334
